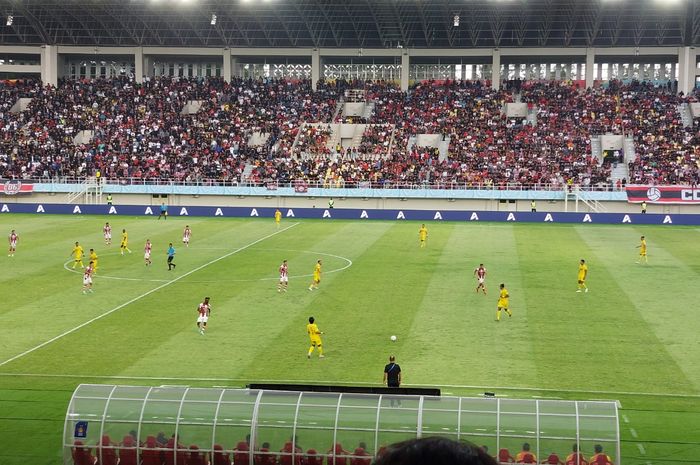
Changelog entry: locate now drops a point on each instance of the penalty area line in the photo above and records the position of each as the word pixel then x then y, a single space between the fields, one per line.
pixel 145 294
pixel 351 383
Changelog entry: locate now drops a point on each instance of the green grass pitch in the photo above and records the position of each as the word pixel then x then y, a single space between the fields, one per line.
pixel 632 338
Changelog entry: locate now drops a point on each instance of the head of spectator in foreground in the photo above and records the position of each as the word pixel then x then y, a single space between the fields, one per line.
pixel 435 451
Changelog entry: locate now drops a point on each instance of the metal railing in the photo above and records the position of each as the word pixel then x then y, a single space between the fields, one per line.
pixel 302 184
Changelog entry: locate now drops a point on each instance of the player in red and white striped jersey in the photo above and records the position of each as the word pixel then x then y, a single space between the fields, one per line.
pixel 203 311
pixel 480 274
pixel 284 277
pixel 147 252
pixel 12 239
pixel 186 236
pixel 87 278
pixel 107 233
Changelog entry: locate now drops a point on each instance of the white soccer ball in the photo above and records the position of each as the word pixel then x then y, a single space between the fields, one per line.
pixel 393 338
pixel 653 194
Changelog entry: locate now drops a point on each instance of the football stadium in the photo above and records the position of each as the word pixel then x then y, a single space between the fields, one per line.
pixel 325 232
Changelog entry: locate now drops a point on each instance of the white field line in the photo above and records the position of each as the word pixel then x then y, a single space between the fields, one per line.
pixel 633 432
pixel 352 383
pixel 135 299
pixel 641 449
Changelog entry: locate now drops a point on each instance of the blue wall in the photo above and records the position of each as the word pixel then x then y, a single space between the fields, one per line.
pixel 356 214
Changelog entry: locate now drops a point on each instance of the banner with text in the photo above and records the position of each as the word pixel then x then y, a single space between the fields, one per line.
pixel 663 194
pixel 352 214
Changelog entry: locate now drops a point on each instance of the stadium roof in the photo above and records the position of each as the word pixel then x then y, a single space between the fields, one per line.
pixel 352 23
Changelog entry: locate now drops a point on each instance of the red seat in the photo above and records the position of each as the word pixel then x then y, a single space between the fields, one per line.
pixel 81 454
pixel 220 457
pixel 241 456
pixel 107 454
pixel 149 454
pixel 504 456
pixel 361 457
pixel 195 457
pixel 127 451
pixel 312 457
pixel 169 454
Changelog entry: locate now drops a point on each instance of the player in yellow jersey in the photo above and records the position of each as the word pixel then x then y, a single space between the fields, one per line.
pixel 125 242
pixel 643 251
pixel 503 297
pixel 93 260
pixel 317 277
pixel 315 337
pixel 422 235
pixel 582 275
pixel 278 217
pixel 77 255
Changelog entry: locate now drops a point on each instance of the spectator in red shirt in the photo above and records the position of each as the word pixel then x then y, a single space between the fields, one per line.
pixel 576 458
pixel 361 457
pixel 553 459
pixel 504 456
pixel 599 458
pixel 336 455
pixel 82 455
pixel 220 457
pixel 525 456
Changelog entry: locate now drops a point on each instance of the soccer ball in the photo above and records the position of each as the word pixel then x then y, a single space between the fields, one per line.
pixel 393 338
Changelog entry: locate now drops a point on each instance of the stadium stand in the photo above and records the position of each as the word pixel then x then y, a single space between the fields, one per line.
pixel 139 133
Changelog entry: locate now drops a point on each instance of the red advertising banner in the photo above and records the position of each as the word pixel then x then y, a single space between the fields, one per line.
pixel 15 187
pixel 663 194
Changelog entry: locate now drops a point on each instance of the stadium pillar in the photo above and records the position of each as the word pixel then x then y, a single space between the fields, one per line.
pixel 138 65
pixel 496 69
pixel 590 67
pixel 687 58
pixel 315 67
pixel 49 65
pixel 405 70
pixel 227 64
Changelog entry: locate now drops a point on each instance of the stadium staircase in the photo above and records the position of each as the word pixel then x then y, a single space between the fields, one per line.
pixel 369 111
pixel 532 116
pixel 21 105
pixel 192 107
pixel 90 190
pixel 576 195
pixel 686 116
pixel 83 137
pixel 338 108
pixel 443 148
pixel 357 136
pixel 247 170
pixel 597 148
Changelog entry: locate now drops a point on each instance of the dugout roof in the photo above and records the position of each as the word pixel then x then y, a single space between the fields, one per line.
pixel 352 23
pixel 220 419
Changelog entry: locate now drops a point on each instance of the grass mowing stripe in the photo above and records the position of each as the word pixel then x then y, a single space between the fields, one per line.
pixel 135 299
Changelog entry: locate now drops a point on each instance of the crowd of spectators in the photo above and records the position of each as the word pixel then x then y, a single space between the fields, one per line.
pixel 152 132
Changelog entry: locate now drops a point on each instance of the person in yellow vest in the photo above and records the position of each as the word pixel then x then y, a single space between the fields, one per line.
pixel 533 206
pixel 278 217
pixel 503 297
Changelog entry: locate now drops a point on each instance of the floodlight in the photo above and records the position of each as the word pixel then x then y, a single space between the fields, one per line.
pixel 10 19
pixel 456 21
pixel 213 19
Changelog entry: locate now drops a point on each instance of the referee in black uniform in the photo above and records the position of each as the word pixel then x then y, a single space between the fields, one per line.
pixel 392 377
